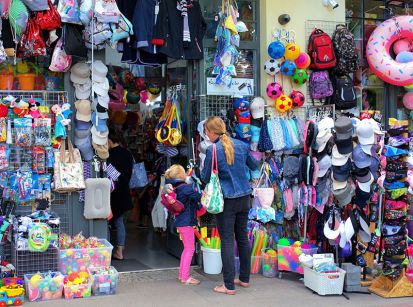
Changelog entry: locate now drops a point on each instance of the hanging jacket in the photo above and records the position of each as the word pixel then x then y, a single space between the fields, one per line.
pixel 143 23
pixel 168 31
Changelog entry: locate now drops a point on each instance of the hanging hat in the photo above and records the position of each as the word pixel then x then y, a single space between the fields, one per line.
pixel 101 150
pixel 344 128
pixel 365 133
pixel 257 107
pixel 99 72
pixel 83 110
pixel 324 164
pixel 80 73
pixel 83 91
pixel 102 87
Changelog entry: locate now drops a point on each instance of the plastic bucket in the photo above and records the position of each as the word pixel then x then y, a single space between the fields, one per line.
pixel 212 260
pixel 26 81
pixel 269 265
pixel 6 81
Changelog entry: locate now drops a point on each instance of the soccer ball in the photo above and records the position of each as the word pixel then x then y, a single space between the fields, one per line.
pixel 300 76
pixel 303 60
pixel 274 90
pixel 298 98
pixel 272 67
pixel 288 68
pixel 292 51
pixel 283 103
pixel 276 50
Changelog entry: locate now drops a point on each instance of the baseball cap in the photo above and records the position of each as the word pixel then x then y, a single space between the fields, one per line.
pixel 241 104
pixel 376 126
pixel 99 138
pixel 101 150
pixel 80 73
pixel 362 174
pixel 101 88
pixel 343 127
pixel 339 159
pixel 326 124
pixel 360 158
pixel 81 125
pixel 365 186
pixel 103 100
pixel 322 139
pixel 365 133
pixel 82 91
pixel 257 107
pixel 343 196
pixel 361 197
pixel 85 148
pixel 367 149
pixel 324 164
pixel 338 185
pixel 83 110
pixel 341 173
pixel 99 123
pixel 81 134
pixel 100 71
pixel 344 146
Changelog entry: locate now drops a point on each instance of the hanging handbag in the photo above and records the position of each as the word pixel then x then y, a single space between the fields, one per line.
pixel 139 178
pixel 97 198
pixel 164 130
pixel 18 17
pixel 212 197
pixel 49 19
pixel 68 169
pixel 263 191
pixel 69 11
pixel 175 137
pixel 36 5
pixel 32 43
pixel 107 11
pixel 60 62
pixel 72 41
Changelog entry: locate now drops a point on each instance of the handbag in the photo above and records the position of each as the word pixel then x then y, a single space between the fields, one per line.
pixel 36 5
pixel 139 178
pixel 72 41
pixel 265 193
pixel 175 137
pixel 68 169
pixel 49 19
pixel 32 43
pixel 61 62
pixel 69 11
pixel 97 198
pixel 212 197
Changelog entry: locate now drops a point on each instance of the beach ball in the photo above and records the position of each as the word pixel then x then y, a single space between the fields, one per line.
pixel 292 51
pixel 288 68
pixel 272 67
pixel 300 76
pixel 408 100
pixel 409 88
pixel 303 60
pixel 401 45
pixel 274 90
pixel 404 57
pixel 298 98
pixel 283 103
pixel 276 50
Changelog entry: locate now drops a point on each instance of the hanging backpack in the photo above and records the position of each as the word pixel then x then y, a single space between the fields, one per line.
pixel 345 50
pixel 344 94
pixel 107 11
pixel 32 43
pixel 69 11
pixel 321 51
pixel 101 32
pixel 320 85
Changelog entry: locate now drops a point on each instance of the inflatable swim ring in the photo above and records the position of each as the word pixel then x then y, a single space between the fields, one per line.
pixel 378 51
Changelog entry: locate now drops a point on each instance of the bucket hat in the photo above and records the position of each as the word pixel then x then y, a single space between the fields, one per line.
pixel 83 110
pixel 99 72
pixel 80 73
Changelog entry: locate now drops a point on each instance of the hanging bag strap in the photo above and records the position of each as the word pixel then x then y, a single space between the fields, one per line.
pixel 263 175
pixel 214 164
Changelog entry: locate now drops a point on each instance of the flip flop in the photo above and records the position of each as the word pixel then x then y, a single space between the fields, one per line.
pixel 191 282
pixel 238 282
pixel 221 289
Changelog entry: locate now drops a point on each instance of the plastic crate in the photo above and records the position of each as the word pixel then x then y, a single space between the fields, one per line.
pixel 288 258
pixel 82 259
pixel 105 280
pixel 44 288
pixel 325 283
pixel 78 291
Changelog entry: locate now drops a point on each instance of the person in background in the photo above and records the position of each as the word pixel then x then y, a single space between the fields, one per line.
pixel 186 220
pixel 233 159
pixel 120 198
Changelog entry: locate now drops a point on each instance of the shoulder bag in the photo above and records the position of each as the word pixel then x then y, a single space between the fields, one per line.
pixel 263 190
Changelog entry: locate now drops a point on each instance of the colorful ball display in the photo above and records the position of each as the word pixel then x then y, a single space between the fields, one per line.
pixel 272 67
pixel 283 103
pixel 408 100
pixel 300 76
pixel 298 98
pixel 404 57
pixel 274 90
pixel 288 68
pixel 303 60
pixel 292 51
pixel 401 45
pixel 276 50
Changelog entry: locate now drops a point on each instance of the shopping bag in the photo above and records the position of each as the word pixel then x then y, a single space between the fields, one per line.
pixel 139 179
pixel 212 198
pixel 68 169
pixel 263 191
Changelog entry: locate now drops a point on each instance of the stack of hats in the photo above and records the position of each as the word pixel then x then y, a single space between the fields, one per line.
pixel 83 125
pixel 257 115
pixel 80 76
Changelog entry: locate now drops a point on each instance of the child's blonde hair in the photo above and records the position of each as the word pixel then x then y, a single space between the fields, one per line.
pixel 176 171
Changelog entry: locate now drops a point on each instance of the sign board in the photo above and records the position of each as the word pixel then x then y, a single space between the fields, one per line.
pixel 317 113
pixel 239 87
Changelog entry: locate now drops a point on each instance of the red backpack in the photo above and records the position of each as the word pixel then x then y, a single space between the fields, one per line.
pixel 321 51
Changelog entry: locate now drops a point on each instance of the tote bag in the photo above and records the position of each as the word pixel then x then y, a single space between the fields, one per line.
pixel 212 197
pixel 139 179
pixel 263 190
pixel 68 169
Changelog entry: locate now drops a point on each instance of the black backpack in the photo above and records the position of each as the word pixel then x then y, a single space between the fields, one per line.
pixel 345 50
pixel 344 96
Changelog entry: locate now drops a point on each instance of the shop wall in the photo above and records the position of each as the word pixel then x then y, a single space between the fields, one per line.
pixel 300 11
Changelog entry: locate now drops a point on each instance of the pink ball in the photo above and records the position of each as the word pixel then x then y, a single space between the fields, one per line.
pixel 274 90
pixel 303 60
pixel 408 100
pixel 401 45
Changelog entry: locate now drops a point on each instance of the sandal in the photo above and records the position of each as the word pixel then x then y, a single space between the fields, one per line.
pixel 221 289
pixel 190 282
pixel 240 283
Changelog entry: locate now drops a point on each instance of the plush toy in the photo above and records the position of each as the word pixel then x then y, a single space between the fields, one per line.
pixel 20 107
pixel 61 122
pixel 34 108
pixel 66 111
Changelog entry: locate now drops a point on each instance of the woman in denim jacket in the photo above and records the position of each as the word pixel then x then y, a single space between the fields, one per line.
pixel 233 159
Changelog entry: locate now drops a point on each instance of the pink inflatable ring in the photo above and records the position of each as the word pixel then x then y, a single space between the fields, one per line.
pixel 378 51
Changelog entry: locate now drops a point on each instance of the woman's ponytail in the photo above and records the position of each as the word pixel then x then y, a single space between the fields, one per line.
pixel 216 125
pixel 228 148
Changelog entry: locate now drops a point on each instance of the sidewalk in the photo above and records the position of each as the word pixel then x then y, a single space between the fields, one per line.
pixel 160 288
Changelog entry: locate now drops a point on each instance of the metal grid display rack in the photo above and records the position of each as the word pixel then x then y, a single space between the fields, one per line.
pixel 20 158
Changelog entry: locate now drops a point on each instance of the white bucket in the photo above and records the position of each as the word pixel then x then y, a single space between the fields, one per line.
pixel 212 260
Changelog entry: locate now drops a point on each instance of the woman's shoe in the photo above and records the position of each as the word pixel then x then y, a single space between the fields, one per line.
pixel 223 290
pixel 118 254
